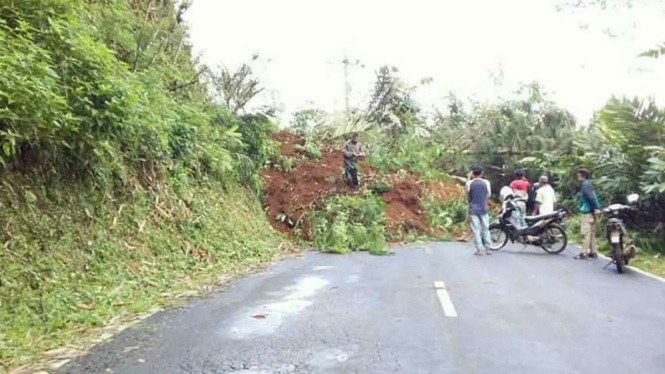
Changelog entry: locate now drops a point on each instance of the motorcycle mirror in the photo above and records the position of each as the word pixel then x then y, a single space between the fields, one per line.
pixel 632 198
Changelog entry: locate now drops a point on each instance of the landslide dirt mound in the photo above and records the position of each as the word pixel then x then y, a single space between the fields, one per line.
pixel 403 207
pixel 288 195
pixel 288 142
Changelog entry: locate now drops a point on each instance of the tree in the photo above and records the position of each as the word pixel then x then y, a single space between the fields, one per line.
pixel 623 150
pixel 656 52
pixel 305 120
pixel 617 145
pixel 235 89
pixel 517 129
pixel 391 107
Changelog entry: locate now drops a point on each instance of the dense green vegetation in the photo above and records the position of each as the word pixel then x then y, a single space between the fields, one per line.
pixel 120 98
pixel 623 148
pixel 121 178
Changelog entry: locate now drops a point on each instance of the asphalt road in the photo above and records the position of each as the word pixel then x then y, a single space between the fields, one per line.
pixel 518 311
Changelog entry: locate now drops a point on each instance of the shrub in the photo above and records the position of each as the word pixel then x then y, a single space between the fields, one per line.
pixel 309 150
pixel 444 214
pixel 350 223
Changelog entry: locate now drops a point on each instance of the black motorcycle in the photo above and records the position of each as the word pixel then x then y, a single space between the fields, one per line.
pixel 617 235
pixel 546 231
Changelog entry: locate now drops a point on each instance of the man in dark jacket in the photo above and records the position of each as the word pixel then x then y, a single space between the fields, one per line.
pixel 353 151
pixel 588 206
pixel 479 190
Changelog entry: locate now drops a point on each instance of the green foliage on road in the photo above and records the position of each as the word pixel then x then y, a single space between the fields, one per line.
pixel 349 223
pixel 449 215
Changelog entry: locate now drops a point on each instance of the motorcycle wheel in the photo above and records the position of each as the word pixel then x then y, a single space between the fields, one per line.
pixel 617 253
pixel 560 239
pixel 499 238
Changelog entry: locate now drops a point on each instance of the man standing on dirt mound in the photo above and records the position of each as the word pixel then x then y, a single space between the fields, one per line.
pixel 353 151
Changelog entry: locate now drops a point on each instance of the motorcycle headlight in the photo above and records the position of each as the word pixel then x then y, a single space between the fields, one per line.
pixel 632 198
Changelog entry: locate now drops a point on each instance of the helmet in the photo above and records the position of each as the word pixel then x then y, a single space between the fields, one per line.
pixel 506 193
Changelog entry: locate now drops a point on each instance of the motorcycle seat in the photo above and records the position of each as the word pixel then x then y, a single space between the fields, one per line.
pixel 541 217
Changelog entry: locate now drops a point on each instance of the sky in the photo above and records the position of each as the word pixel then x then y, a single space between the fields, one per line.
pixel 481 50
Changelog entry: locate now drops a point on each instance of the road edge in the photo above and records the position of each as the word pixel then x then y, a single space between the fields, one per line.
pixel 632 268
pixel 52 364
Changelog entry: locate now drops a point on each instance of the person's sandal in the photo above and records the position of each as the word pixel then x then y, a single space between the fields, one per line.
pixel 581 256
pixel 592 255
pixel 488 252
pixel 478 253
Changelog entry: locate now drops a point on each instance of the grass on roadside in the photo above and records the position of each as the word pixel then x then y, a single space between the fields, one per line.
pixel 651 252
pixel 72 259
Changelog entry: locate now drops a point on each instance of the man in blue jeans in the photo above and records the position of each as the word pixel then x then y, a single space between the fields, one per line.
pixel 479 191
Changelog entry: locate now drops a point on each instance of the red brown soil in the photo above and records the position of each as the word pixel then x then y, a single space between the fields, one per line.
pixel 295 193
pixel 288 142
pixel 403 208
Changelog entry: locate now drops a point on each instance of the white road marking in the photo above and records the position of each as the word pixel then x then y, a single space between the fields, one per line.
pixel 444 298
pixel 645 273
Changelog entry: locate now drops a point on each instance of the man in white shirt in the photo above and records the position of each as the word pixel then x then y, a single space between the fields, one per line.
pixel 545 197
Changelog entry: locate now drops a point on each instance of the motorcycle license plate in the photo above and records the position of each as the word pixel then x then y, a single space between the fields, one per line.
pixel 615 238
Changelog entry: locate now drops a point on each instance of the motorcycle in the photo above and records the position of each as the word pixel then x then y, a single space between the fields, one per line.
pixel 547 230
pixel 622 251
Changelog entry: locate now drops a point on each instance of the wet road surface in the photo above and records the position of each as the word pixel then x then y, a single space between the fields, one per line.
pixel 518 311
